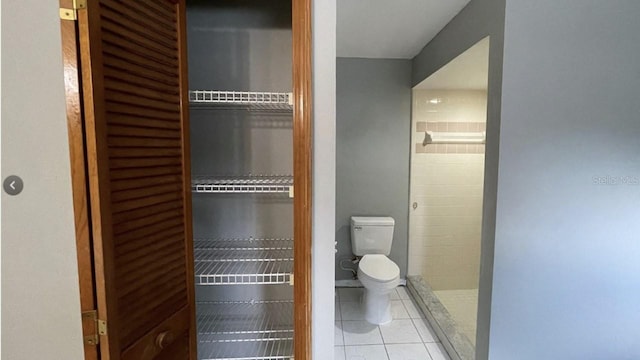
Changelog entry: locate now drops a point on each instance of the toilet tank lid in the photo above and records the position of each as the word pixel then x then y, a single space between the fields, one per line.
pixel 369 220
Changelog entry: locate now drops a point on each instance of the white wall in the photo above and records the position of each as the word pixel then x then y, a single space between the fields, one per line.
pixel 446 185
pixel 567 249
pixel 40 296
pixel 324 170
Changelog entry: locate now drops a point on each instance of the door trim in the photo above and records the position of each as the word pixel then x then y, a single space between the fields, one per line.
pixel 302 176
pixel 77 155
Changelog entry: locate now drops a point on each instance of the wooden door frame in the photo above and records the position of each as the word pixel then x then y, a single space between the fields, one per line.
pixel 302 176
pixel 75 128
pixel 302 129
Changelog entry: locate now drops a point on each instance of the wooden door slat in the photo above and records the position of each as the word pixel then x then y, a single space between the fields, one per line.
pixel 126 109
pixel 142 60
pixel 135 244
pixel 169 242
pixel 123 163
pixel 146 211
pixel 140 222
pixel 126 141
pixel 136 26
pixel 125 130
pixel 142 306
pixel 145 348
pixel 146 93
pixel 139 7
pixel 116 119
pixel 124 152
pixel 115 40
pixel 131 270
pixel 138 173
pixel 147 230
pixel 144 182
pixel 151 75
pixel 127 34
pixel 158 9
pixel 143 202
pixel 124 9
pixel 148 318
pixel 152 281
pixel 138 101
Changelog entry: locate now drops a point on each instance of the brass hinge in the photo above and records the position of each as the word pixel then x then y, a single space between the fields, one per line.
pixel 291 281
pixel 97 327
pixel 72 14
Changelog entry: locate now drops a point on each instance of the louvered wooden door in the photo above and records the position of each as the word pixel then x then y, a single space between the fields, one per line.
pixel 133 62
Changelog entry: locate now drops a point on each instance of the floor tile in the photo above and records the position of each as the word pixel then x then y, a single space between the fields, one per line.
pixel 394 295
pixel 361 333
pixel 337 311
pixel 339 339
pixel 426 332
pixel 369 352
pixel 398 310
pixel 437 351
pixel 338 353
pixel 352 311
pixel 403 293
pixel 407 352
pixel 400 332
pixel 412 309
pixel 350 294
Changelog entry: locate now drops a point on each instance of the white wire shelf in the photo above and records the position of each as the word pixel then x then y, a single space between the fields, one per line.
pixel 245 330
pixel 243 244
pixel 243 184
pixel 242 100
pixel 243 261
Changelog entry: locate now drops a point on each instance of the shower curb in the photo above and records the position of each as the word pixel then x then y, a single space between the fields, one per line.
pixel 454 341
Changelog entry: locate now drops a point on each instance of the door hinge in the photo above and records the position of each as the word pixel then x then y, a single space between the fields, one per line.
pixel 93 327
pixel 291 281
pixel 72 13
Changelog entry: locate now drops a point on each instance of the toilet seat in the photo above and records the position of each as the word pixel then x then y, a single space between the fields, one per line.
pixel 379 268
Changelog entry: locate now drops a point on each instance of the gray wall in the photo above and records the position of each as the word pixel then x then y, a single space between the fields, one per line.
pixel 40 296
pixel 479 19
pixel 373 120
pixel 324 178
pixel 566 272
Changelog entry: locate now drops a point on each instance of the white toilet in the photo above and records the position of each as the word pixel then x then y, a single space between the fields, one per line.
pixel 371 238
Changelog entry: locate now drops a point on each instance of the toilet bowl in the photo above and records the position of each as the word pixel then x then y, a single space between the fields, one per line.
pixel 379 276
pixel 371 238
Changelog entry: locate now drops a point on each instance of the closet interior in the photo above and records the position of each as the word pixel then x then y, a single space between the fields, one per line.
pixel 240 83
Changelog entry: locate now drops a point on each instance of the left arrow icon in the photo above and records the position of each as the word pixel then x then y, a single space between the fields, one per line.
pixel 13 185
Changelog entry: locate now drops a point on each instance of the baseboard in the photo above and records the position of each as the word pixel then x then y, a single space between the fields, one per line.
pixel 357 283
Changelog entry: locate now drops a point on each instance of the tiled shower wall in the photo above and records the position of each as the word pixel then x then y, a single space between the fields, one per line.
pixel 446 186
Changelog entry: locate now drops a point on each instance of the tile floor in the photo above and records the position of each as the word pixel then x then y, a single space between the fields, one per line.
pixel 462 305
pixel 407 337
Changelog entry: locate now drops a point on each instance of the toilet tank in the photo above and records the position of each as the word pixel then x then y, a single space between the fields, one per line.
pixel 371 235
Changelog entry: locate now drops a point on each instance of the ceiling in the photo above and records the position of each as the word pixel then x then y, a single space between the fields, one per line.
pixel 468 71
pixel 396 29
